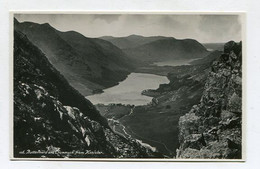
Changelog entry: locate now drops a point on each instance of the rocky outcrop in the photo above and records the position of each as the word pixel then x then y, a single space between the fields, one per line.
pixel 51 119
pixel 212 129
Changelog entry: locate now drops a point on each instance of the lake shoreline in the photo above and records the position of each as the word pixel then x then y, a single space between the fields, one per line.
pixel 130 90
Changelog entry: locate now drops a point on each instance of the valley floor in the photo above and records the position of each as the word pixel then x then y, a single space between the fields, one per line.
pixel 157 122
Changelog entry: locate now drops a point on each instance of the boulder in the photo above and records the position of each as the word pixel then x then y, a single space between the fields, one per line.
pixel 235 104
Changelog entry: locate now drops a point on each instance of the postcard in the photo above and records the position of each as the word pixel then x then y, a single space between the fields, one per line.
pixel 127 86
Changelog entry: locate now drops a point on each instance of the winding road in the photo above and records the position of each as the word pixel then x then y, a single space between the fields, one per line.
pixel 117 123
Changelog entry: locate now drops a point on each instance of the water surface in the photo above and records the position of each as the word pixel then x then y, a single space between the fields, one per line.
pixel 129 91
pixel 175 62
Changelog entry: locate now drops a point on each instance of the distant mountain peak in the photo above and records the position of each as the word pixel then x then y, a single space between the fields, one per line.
pixel 46 25
pixel 134 35
pixel 16 21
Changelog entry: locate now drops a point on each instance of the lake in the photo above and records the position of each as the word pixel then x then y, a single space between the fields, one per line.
pixel 129 91
pixel 175 62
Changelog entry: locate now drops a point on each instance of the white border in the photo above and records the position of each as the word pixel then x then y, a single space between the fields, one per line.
pixel 243 20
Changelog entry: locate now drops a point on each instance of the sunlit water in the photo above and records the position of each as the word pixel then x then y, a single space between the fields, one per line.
pixel 175 62
pixel 129 91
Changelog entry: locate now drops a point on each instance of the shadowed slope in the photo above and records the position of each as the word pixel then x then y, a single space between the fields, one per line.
pixel 88 64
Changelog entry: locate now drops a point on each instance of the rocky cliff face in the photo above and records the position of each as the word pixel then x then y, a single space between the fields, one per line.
pixel 212 129
pixel 51 119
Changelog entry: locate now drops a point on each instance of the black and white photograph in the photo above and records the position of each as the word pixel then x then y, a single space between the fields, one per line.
pixel 127 86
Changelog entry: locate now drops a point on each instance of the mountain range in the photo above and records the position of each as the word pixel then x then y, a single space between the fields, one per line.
pixel 167 49
pixel 131 41
pixel 88 64
pixel 92 64
pixel 158 48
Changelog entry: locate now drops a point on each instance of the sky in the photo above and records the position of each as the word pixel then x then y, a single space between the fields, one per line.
pixel 204 28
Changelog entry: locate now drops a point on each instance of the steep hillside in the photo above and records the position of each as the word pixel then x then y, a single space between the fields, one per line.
pixel 51 119
pixel 212 128
pixel 88 64
pixel 167 49
pixel 131 41
pixel 208 59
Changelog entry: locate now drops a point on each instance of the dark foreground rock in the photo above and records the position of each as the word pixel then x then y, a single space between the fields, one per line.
pixel 212 129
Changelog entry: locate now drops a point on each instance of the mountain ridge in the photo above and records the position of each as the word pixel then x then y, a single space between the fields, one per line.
pixel 85 62
pixel 167 49
pixel 131 41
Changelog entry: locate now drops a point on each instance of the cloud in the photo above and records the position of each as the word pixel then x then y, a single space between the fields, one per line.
pixel 109 18
pixel 204 28
pixel 224 27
